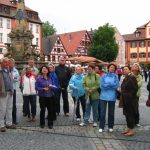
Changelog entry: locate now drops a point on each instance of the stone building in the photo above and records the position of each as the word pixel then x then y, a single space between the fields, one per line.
pixel 8 22
pixel 137 45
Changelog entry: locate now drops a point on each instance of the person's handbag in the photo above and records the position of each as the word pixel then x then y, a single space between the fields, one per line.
pixel 148 103
pixel 120 104
pixel 118 94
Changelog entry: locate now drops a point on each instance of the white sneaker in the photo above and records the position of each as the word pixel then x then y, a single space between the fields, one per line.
pixel 110 130
pixel 94 124
pixel 90 121
pixel 78 119
pixel 100 130
pixel 82 124
pixel 138 125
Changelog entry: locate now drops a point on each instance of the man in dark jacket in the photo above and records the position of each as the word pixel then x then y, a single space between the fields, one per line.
pixel 64 75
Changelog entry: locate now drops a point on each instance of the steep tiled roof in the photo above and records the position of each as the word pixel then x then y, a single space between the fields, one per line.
pixel 52 39
pixel 72 40
pixel 132 37
pixel 143 26
pixel 46 46
pixel 8 3
pixel 49 43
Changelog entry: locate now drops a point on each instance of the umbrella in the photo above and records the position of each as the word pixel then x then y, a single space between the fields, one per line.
pixel 87 59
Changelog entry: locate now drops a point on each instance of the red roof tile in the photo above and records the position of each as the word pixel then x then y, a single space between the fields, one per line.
pixel 143 26
pixel 72 40
pixel 132 37
pixel 8 3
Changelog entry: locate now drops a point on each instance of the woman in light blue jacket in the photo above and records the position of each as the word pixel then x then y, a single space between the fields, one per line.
pixel 78 93
pixel 109 83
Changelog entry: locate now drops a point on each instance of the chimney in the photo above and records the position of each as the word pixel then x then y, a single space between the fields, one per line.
pixel 14 2
pixel 70 37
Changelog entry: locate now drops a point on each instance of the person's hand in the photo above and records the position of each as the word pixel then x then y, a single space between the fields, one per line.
pixel 46 89
pixel 90 90
pixel 77 89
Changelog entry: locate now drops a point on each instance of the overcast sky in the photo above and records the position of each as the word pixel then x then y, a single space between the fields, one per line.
pixel 75 15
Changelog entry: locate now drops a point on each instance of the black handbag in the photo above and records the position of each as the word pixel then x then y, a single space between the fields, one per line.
pixel 148 103
pixel 118 93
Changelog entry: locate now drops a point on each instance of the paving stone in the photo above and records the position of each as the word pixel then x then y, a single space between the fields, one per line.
pixel 69 136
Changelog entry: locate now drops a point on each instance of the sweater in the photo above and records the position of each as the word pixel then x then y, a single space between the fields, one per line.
pixel 91 82
pixel 42 83
pixel 139 82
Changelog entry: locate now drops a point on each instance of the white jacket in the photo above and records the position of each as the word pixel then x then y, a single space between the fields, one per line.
pixel 29 85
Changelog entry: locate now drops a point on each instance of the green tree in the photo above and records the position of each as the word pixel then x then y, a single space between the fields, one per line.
pixel 48 29
pixel 104 46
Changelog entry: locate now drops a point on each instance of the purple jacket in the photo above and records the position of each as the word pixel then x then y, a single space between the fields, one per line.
pixel 42 83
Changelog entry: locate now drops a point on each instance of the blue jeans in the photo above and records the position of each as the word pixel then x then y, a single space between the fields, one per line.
pixel 111 111
pixel 94 105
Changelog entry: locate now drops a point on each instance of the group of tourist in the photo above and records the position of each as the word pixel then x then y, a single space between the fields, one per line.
pixel 94 91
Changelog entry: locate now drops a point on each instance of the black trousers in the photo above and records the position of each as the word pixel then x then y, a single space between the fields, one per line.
pixel 46 102
pixel 137 115
pixel 14 109
pixel 81 100
pixel 30 100
pixel 130 121
pixel 65 101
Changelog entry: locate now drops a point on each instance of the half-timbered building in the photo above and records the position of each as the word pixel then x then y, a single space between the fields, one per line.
pixel 66 45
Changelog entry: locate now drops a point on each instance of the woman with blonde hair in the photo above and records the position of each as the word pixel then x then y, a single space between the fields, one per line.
pixel 136 70
pixel 78 93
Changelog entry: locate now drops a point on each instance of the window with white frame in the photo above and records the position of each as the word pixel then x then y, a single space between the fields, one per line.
pixel 8 23
pixel 37 41
pixel 1 22
pixel 37 28
pixel 1 37
pixel 133 44
pixel 8 39
pixel 1 50
pixel 53 58
pixel 137 33
pixel 31 27
pixel 142 44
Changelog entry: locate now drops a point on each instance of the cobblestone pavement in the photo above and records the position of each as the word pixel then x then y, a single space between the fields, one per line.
pixel 67 135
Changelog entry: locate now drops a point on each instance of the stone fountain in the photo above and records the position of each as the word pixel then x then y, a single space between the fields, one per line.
pixel 21 47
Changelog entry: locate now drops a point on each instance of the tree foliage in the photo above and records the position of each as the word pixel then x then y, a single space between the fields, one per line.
pixel 48 29
pixel 104 46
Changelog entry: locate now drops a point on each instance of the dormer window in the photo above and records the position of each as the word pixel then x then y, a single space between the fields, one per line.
pixel 14 2
pixel 137 33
